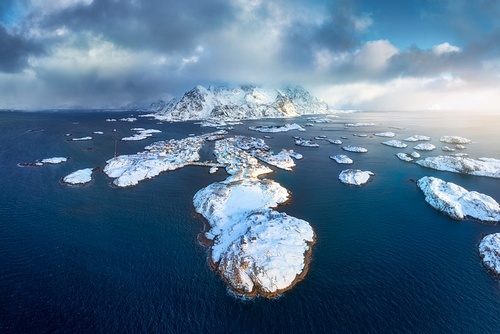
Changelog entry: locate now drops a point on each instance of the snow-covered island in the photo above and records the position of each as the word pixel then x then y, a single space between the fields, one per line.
pixel 457 202
pixel 81 139
pixel 425 147
pixel 334 141
pixel 277 128
pixel 128 119
pixel 395 143
pixel 341 159
pixel 388 134
pixel 455 140
pixel 459 164
pixel 356 149
pixel 46 161
pixel 305 143
pixel 355 177
pixel 80 177
pixel 358 125
pixel 141 134
pixel 255 249
pixel 415 138
pixel 489 251
pixel 404 157
pixel 54 161
pixel 161 156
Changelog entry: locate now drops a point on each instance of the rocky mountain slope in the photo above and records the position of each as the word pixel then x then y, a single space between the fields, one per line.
pixel 245 102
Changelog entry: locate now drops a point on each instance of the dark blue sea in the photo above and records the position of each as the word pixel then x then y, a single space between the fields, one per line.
pixel 98 259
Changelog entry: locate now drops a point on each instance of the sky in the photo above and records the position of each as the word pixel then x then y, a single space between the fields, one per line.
pixel 358 54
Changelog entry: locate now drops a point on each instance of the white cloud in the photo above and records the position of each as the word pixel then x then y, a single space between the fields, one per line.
pixel 374 55
pixel 56 5
pixel 445 48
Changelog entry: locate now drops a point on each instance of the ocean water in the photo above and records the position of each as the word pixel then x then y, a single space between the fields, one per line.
pixel 100 259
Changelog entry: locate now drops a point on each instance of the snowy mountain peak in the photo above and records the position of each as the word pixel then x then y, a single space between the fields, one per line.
pixel 245 102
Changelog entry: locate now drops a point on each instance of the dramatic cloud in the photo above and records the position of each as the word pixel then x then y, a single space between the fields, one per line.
pixel 353 54
pixel 15 51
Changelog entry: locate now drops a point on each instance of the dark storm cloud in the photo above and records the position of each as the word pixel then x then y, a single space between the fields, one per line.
pixel 15 51
pixel 154 24
pixel 338 32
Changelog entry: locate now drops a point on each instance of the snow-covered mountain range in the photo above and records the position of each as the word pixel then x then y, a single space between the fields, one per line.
pixel 245 102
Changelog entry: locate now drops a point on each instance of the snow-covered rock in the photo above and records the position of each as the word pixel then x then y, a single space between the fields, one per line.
pixel 417 138
pixel 342 159
pixel 81 138
pixel 355 149
pixel 80 177
pixel 459 164
pixel 129 170
pixel 455 140
pixel 425 147
pixel 387 134
pixel 54 161
pixel 128 119
pixel 447 149
pixel 457 202
pixel 274 129
pixel 395 143
pixel 141 134
pixel 281 160
pixel 305 143
pixel 258 251
pixel 355 177
pixel 246 102
pixel 415 155
pixel 489 251
pixel 404 157
pixel 358 125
